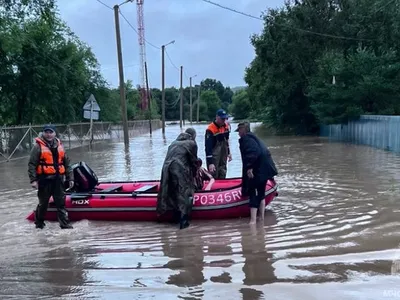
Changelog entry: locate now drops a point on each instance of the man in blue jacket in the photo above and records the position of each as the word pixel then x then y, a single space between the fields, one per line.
pixel 258 167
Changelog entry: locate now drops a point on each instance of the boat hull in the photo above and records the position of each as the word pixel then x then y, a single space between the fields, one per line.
pixel 137 201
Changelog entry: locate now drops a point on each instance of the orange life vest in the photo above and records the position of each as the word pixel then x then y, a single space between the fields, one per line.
pixel 220 132
pixel 47 166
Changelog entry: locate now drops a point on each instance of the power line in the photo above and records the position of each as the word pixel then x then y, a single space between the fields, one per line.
pixel 134 29
pixel 129 23
pixel 287 26
pixel 114 67
pixel 105 4
pixel 170 60
pixel 232 10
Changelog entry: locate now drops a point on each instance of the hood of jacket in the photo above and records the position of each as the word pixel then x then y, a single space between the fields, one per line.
pixel 184 137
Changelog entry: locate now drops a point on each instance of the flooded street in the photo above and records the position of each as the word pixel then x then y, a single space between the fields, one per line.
pixel 333 232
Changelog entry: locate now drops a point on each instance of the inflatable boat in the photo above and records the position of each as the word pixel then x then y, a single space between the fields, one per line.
pixel 137 200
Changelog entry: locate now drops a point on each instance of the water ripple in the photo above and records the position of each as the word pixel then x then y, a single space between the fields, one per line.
pixel 334 223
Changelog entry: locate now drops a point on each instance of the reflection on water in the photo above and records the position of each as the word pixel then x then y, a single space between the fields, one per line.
pixel 332 233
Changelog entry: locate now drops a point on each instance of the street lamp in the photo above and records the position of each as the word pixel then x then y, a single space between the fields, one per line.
pixel 190 79
pixel 163 84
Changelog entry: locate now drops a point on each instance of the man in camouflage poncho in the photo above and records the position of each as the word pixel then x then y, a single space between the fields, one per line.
pixel 177 177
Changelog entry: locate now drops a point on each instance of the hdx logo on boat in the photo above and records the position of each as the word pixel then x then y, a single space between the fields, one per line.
pixel 80 202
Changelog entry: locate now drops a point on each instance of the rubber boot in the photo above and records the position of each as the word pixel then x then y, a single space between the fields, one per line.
pixel 184 222
pixel 63 219
pixel 39 224
pixel 176 217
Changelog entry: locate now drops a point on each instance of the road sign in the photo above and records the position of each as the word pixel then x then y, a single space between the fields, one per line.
pixel 91 108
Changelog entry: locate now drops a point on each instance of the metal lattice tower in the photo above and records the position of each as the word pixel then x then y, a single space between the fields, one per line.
pixel 142 53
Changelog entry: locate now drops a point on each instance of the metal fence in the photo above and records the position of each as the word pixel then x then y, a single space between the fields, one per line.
pixel 382 132
pixel 17 141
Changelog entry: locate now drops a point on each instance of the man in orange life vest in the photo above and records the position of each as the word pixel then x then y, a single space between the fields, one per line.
pixel 217 145
pixel 48 168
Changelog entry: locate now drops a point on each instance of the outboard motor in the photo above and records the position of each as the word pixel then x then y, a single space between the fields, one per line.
pixel 85 180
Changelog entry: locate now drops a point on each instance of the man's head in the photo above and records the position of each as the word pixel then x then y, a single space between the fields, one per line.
pixel 221 117
pixel 49 132
pixel 243 128
pixel 192 132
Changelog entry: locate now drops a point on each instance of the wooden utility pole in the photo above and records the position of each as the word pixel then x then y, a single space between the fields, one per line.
pixel 190 83
pixel 124 113
pixel 163 88
pixel 148 96
pixel 198 103
pixel 181 100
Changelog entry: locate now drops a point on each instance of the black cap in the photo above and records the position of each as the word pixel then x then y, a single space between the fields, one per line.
pixel 243 125
pixel 49 127
pixel 222 114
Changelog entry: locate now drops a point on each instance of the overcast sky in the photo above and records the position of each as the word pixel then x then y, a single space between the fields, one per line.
pixel 209 41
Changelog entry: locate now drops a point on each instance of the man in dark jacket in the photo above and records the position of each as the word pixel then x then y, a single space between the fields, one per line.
pixel 258 168
pixel 177 178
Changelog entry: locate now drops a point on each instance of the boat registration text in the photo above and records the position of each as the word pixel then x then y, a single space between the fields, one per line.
pixel 217 198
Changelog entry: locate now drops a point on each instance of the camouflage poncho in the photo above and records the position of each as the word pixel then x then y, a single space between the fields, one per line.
pixel 177 176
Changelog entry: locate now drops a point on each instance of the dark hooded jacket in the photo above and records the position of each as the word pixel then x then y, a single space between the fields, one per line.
pixel 256 156
pixel 177 176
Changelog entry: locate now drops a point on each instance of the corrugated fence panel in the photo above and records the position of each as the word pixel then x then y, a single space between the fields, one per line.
pixel 382 132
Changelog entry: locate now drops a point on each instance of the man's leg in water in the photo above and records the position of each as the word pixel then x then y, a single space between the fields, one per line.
pixel 59 201
pixel 253 203
pixel 261 196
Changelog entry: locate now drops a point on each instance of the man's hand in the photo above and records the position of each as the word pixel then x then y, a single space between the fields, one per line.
pixel 34 184
pixel 250 173
pixel 211 168
pixel 229 157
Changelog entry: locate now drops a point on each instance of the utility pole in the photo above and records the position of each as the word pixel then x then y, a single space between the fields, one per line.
pixel 124 113
pixel 191 117
pixel 163 88
pixel 198 103
pixel 190 80
pixel 148 96
pixel 163 84
pixel 181 100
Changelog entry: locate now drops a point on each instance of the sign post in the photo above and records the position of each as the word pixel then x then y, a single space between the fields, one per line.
pixel 91 111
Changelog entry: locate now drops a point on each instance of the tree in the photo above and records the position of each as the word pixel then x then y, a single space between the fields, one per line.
pixel 47 71
pixel 284 78
pixel 240 107
pixel 365 83
pixel 210 98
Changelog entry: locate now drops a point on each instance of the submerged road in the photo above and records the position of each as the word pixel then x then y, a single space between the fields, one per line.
pixel 333 232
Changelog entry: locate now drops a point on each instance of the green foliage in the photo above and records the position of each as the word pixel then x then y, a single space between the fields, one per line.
pixel 212 102
pixel 365 83
pixel 47 74
pixel 42 65
pixel 240 107
pixel 290 79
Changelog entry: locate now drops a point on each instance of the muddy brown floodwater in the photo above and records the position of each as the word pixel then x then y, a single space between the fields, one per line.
pixel 333 232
